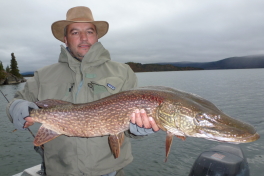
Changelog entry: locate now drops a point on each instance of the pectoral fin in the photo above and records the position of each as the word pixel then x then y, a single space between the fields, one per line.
pixel 181 137
pixel 169 139
pixel 44 135
pixel 115 142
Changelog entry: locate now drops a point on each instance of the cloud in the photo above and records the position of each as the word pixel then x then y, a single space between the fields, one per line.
pixel 140 31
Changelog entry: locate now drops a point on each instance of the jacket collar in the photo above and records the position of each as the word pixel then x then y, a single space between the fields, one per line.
pixel 96 55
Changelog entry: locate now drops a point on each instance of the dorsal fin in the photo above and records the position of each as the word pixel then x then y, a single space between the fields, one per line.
pixel 44 135
pixel 50 103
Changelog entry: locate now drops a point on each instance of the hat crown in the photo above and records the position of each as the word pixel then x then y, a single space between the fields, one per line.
pixel 79 13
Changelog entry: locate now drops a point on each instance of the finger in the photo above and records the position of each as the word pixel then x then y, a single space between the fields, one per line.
pixel 29 119
pixel 28 124
pixel 138 118
pixel 153 124
pixel 133 118
pixel 145 119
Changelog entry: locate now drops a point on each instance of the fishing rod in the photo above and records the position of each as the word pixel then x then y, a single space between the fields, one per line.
pixel 4 96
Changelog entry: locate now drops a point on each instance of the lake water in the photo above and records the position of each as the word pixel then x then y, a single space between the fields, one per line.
pixel 239 93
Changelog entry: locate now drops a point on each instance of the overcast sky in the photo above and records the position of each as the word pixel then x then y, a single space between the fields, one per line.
pixel 144 31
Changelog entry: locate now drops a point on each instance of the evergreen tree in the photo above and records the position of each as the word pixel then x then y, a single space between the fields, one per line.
pixel 7 69
pixel 13 66
pixel 2 74
pixel 1 66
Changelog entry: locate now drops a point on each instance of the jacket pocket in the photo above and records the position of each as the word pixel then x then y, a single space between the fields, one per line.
pixel 105 87
pixel 55 91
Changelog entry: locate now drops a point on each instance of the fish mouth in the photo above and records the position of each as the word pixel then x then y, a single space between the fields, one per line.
pixel 236 139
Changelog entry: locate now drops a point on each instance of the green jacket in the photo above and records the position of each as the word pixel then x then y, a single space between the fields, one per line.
pixel 81 82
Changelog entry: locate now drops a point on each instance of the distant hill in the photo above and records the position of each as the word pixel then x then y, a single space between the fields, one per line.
pixel 27 74
pixel 228 63
pixel 244 62
pixel 138 67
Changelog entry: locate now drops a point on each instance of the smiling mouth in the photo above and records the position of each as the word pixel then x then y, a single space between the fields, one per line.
pixel 84 46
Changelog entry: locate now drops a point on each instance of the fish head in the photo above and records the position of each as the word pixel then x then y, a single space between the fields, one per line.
pixel 218 127
pixel 196 117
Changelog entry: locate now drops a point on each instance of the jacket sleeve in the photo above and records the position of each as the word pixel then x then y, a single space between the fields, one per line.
pixel 29 93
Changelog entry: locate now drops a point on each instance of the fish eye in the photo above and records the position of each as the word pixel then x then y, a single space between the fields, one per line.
pixel 199 117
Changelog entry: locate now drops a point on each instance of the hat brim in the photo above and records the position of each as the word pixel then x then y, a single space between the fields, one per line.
pixel 58 27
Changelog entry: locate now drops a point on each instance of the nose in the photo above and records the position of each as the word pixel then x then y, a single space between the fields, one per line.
pixel 83 36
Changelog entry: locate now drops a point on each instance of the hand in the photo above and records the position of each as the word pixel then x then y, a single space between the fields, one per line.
pixel 29 122
pixel 19 110
pixel 139 117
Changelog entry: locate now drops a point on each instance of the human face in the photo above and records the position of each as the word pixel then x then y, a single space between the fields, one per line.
pixel 79 38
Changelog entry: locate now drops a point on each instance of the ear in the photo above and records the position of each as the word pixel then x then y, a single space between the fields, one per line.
pixel 65 41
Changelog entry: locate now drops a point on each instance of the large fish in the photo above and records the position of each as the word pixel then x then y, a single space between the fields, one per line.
pixel 179 113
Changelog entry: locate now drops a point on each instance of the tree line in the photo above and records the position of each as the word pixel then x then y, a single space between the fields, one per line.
pixel 13 69
pixel 138 67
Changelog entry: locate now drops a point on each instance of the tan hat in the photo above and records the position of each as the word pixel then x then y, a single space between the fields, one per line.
pixel 79 14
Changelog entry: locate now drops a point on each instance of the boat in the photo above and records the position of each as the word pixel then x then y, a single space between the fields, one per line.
pixel 32 171
pixel 220 160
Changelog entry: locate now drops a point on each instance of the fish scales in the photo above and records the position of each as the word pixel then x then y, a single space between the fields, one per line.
pixel 179 113
pixel 103 117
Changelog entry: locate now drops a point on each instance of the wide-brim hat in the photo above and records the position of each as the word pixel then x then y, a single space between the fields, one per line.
pixel 78 14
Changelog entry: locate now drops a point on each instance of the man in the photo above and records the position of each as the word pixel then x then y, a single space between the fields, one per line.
pixel 83 74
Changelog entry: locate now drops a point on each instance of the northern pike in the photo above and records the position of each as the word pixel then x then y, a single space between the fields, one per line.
pixel 178 113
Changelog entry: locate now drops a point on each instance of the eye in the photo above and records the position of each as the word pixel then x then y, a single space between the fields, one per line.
pixel 199 118
pixel 90 32
pixel 74 33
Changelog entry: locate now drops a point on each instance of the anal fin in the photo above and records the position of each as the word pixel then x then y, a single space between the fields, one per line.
pixel 44 135
pixel 115 142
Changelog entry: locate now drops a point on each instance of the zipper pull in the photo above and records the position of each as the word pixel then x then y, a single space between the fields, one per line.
pixel 90 85
pixel 70 89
